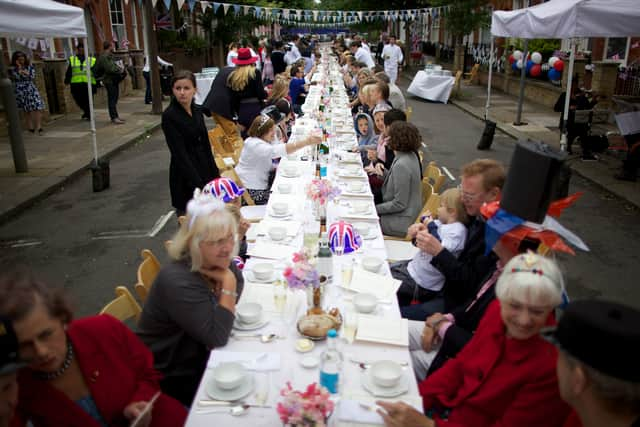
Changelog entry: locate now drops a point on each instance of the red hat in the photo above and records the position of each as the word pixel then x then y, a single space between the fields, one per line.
pixel 244 57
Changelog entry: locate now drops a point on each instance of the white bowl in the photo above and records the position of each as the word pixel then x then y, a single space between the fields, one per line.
pixel 362 229
pixel 262 271
pixel 309 361
pixel 249 312
pixel 277 233
pixel 371 263
pixel 353 170
pixel 355 186
pixel 386 373
pixel 290 170
pixel 229 375
pixel 280 208
pixel 284 188
pixel 365 302
pixel 360 207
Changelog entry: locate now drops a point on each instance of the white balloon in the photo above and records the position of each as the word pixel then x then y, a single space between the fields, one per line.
pixel 536 57
pixel 519 64
pixel 517 54
pixel 553 60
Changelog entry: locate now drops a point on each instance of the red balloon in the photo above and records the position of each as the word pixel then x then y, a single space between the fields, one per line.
pixel 536 70
pixel 511 59
pixel 559 65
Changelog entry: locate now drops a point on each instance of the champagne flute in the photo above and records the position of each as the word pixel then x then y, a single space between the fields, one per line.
pixel 279 295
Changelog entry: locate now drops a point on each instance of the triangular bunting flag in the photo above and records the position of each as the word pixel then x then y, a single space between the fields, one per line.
pixel 180 4
pixel 246 9
pixel 225 7
pixel 167 3
pixel 236 9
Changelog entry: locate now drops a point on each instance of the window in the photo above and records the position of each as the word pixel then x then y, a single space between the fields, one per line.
pixel 117 24
pixel 134 24
pixel 616 49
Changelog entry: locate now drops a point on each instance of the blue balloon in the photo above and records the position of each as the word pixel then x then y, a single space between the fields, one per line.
pixel 530 64
pixel 514 66
pixel 554 74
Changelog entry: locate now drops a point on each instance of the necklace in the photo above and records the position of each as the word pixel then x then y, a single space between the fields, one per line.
pixel 48 376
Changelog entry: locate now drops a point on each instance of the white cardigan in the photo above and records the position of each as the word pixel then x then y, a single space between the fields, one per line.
pixel 256 162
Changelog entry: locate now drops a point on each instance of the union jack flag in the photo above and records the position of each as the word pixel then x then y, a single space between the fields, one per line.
pixel 164 22
pixel 224 189
pixel 342 234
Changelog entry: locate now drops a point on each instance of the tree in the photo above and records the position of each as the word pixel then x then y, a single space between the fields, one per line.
pixel 462 17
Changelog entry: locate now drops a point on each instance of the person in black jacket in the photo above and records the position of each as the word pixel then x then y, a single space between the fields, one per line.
pixel 578 101
pixel 482 182
pixel 277 59
pixel 219 105
pixel 192 164
pixel 247 90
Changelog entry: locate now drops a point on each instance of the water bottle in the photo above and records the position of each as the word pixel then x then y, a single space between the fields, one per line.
pixel 331 364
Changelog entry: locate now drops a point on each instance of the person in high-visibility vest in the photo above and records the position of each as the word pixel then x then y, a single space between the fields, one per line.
pixel 76 76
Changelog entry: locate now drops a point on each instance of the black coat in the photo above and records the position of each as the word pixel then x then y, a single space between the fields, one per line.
pixel 462 274
pixel 277 60
pixel 219 99
pixel 192 163
pixel 467 321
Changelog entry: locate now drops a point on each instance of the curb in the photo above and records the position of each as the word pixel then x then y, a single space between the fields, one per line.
pixel 76 170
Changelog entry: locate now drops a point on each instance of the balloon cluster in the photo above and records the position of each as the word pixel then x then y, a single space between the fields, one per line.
pixel 534 66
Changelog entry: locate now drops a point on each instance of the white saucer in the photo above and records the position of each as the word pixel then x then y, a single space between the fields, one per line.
pixel 286 175
pixel 400 388
pixel 309 361
pixel 367 212
pixel 252 278
pixel 275 215
pixel 349 174
pixel 352 191
pixel 214 392
pixel 251 326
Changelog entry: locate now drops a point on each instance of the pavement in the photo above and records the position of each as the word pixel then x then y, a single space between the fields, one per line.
pixel 65 151
pixel 542 125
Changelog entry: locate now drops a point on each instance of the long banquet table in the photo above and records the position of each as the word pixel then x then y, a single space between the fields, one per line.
pixel 281 363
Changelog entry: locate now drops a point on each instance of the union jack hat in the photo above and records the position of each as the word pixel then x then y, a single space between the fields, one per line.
pixel 343 232
pixel 224 189
pixel 239 262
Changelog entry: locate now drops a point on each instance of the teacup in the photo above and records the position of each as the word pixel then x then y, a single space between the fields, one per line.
pixel 386 373
pixel 362 229
pixel 355 186
pixel 290 170
pixel 277 233
pixel 371 263
pixel 249 312
pixel 262 271
pixel 280 208
pixel 284 188
pixel 229 375
pixel 365 302
pixel 360 207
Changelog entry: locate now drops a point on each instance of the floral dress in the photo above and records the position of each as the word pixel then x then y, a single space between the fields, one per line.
pixel 27 96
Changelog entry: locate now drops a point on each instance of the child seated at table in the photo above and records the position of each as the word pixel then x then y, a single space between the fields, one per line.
pixel 366 132
pixel 421 281
pixel 227 190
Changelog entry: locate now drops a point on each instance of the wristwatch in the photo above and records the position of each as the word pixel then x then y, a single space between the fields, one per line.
pixel 228 292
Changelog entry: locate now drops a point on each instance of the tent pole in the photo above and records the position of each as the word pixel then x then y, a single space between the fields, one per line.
pixel 486 107
pixel 92 118
pixel 15 130
pixel 567 97
pixel 523 71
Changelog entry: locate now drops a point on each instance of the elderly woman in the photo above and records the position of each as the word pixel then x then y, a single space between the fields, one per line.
pixel 506 374
pixel 87 372
pixel 402 188
pixel 191 306
pixel 256 160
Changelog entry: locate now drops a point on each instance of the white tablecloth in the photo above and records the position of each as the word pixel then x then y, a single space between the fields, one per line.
pixel 431 87
pixel 203 85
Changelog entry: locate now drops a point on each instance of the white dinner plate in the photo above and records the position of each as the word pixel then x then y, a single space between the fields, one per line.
pixel 237 324
pixel 216 393
pixel 248 274
pixel 400 388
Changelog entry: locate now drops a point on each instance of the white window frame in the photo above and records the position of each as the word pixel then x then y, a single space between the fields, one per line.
pixel 116 25
pixel 134 23
pixel 619 61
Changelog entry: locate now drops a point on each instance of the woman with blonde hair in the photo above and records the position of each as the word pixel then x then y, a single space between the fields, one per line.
pixel 247 90
pixel 279 90
pixel 256 160
pixel 190 309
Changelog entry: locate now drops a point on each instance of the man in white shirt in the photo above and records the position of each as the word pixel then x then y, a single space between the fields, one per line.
pixel 393 58
pixel 147 76
pixel 361 54
pixel 289 56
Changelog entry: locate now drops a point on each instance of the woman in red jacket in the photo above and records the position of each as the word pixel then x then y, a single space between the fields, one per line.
pixel 91 372
pixel 505 376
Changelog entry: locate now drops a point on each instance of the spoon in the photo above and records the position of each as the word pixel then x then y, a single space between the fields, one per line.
pixel 236 410
pixel 365 366
pixel 264 338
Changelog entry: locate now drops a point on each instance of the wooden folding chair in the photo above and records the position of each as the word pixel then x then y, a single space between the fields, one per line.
pixel 124 306
pixel 456 82
pixel 433 204
pixel 408 112
pixel 147 272
pixel 231 174
pixel 472 75
pixel 427 189
pixel 435 176
pixel 222 150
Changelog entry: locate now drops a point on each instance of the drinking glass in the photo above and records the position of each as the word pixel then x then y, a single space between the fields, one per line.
pixel 349 325
pixel 279 295
pixel 347 273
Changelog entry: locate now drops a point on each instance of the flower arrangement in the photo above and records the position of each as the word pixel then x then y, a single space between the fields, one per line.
pixel 302 274
pixel 321 190
pixel 310 408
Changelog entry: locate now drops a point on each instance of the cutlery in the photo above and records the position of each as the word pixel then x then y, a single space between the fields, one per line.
pixel 264 338
pixel 236 410
pixel 367 363
pixel 205 404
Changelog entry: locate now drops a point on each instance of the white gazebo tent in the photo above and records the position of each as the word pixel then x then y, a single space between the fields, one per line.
pixel 566 19
pixel 44 19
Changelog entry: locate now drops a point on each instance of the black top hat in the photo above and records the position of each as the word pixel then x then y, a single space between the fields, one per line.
pixel 531 180
pixel 9 361
pixel 273 113
pixel 603 335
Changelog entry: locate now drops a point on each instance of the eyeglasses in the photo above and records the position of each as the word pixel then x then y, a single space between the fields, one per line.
pixel 230 240
pixel 468 197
